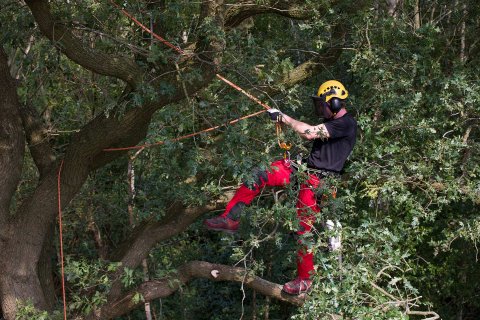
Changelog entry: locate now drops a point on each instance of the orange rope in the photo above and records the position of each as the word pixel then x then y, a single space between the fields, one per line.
pixel 180 51
pixel 185 136
pixel 233 85
pixel 61 240
pixel 165 42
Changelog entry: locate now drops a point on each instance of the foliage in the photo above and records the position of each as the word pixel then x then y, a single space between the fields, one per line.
pixel 90 281
pixel 27 311
pixel 408 202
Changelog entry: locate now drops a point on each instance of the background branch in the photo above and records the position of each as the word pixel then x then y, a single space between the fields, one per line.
pixel 117 66
pixel 238 12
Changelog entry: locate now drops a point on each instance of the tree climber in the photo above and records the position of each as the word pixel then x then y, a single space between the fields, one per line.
pixel 333 141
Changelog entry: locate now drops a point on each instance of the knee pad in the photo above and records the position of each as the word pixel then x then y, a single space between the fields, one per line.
pixel 259 177
pixel 236 211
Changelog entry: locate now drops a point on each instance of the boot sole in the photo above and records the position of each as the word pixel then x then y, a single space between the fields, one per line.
pixel 297 294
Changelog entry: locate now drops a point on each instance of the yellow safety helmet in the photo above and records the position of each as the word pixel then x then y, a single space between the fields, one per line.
pixel 334 88
pixel 329 98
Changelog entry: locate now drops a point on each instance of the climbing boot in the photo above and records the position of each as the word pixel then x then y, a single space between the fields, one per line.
pixel 222 224
pixel 297 286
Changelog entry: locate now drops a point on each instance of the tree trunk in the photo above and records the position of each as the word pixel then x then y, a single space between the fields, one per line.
pixel 22 285
pixel 392 7
pixel 417 14
pixel 45 268
pixel 132 192
pixel 19 279
pixel 462 33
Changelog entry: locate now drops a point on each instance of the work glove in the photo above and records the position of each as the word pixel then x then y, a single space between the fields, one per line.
pixel 275 115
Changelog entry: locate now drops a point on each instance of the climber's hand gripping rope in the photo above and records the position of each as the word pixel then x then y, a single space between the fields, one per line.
pixel 276 115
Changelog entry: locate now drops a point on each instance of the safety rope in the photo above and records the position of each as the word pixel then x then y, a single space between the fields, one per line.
pixel 181 52
pixel 59 191
pixel 185 136
pixel 156 36
pixel 233 85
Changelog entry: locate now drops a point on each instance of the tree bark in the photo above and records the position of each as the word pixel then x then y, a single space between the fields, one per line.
pixel 463 57
pixel 392 7
pixel 12 140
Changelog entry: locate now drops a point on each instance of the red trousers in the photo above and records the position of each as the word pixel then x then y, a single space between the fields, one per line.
pixel 279 175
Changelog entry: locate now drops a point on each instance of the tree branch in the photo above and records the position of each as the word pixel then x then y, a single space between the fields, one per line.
pixel 299 74
pixel 40 148
pixel 404 303
pixel 307 69
pixel 117 66
pixel 238 12
pixel 144 237
pixel 191 270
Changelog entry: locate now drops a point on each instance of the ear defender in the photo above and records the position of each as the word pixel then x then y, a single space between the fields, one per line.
pixel 335 104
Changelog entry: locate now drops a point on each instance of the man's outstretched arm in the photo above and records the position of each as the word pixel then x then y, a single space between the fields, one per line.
pixel 305 130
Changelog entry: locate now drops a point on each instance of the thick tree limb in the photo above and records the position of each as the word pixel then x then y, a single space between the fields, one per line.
pixel 307 69
pixel 117 66
pixel 214 10
pixel 195 269
pixel 17 281
pixel 242 10
pixel 38 143
pixel 12 140
pixel 143 238
pixel 300 73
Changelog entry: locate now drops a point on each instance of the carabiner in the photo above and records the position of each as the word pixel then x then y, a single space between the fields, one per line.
pixel 282 144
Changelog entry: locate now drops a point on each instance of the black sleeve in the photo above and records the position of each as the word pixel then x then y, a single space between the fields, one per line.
pixel 337 128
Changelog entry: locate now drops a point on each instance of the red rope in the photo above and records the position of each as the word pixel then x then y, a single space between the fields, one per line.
pixel 61 240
